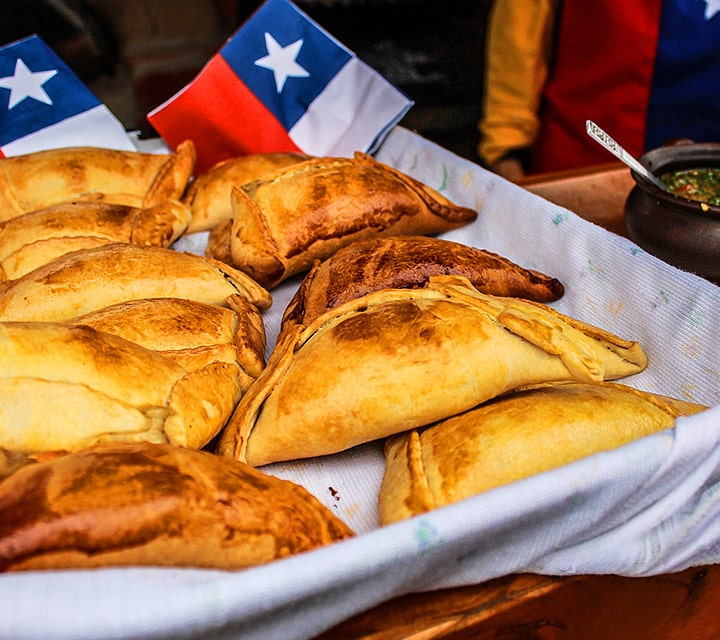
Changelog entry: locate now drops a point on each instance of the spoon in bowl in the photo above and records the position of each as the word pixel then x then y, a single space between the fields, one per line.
pixel 597 134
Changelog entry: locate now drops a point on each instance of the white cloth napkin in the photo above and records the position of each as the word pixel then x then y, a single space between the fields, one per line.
pixel 647 508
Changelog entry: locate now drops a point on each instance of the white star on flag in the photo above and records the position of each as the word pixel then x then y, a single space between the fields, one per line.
pixel 26 84
pixel 711 8
pixel 281 61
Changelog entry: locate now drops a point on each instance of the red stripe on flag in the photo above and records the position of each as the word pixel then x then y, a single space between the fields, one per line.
pixel 222 117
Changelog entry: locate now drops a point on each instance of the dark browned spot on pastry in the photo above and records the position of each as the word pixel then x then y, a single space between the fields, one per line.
pixel 25 507
pixel 129 474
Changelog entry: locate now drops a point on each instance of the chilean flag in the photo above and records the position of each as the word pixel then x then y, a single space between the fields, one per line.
pixel 281 83
pixel 44 105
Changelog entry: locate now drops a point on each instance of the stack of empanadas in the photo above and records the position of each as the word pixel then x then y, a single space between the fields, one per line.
pixel 287 219
pixel 120 357
pixel 155 505
pixel 177 339
pixel 398 359
pixel 513 437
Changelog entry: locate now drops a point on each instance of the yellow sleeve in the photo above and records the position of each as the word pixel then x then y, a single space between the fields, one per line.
pixel 518 49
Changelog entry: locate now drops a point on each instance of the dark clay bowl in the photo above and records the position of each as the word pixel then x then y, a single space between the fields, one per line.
pixel 682 232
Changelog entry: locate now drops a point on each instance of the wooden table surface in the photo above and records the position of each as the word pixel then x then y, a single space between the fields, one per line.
pixel 679 606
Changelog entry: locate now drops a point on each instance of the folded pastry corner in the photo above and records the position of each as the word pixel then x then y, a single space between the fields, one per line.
pixel 218 244
pixel 512 437
pixel 287 219
pixel 88 280
pixel 398 359
pixel 208 196
pixel 155 505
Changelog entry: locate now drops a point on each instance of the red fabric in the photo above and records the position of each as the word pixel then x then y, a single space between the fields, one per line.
pixel 603 72
pixel 205 113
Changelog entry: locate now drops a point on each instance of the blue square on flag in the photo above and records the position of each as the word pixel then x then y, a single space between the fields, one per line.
pixel 281 83
pixel 44 105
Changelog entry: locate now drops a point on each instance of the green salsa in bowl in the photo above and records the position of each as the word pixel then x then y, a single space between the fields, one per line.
pixel 682 225
pixel 699 183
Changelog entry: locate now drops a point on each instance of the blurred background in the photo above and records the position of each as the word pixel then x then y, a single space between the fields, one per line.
pixel 135 54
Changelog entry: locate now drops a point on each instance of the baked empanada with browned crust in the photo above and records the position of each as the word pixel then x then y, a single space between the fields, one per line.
pixel 514 437
pixel 155 505
pixel 398 262
pixel 291 217
pixel 66 386
pixel 43 178
pixel 208 195
pixel 38 237
pixel 91 279
pixel 193 334
pixel 398 359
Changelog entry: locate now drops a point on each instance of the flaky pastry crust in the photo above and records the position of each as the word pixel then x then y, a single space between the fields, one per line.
pixel 399 262
pixel 43 178
pixel 155 505
pixel 513 437
pixel 88 280
pixel 208 195
pixel 398 359
pixel 66 386
pixel 291 217
pixel 33 239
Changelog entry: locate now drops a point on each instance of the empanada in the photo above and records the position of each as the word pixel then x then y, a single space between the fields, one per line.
pixel 514 437
pixel 88 280
pixel 43 178
pixel 208 195
pixel 291 217
pixel 193 334
pixel 398 262
pixel 35 238
pixel 65 387
pixel 398 359
pixel 155 505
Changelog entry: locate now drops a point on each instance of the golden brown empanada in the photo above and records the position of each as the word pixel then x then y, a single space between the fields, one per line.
pixel 398 262
pixel 35 238
pixel 291 217
pixel 193 334
pixel 155 505
pixel 398 359
pixel 209 194
pixel 43 178
pixel 65 387
pixel 88 280
pixel 514 437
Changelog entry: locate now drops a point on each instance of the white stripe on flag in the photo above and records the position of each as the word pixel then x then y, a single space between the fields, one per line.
pixel 97 127
pixel 355 107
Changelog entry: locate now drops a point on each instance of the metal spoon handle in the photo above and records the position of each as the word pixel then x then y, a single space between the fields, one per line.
pixel 597 134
